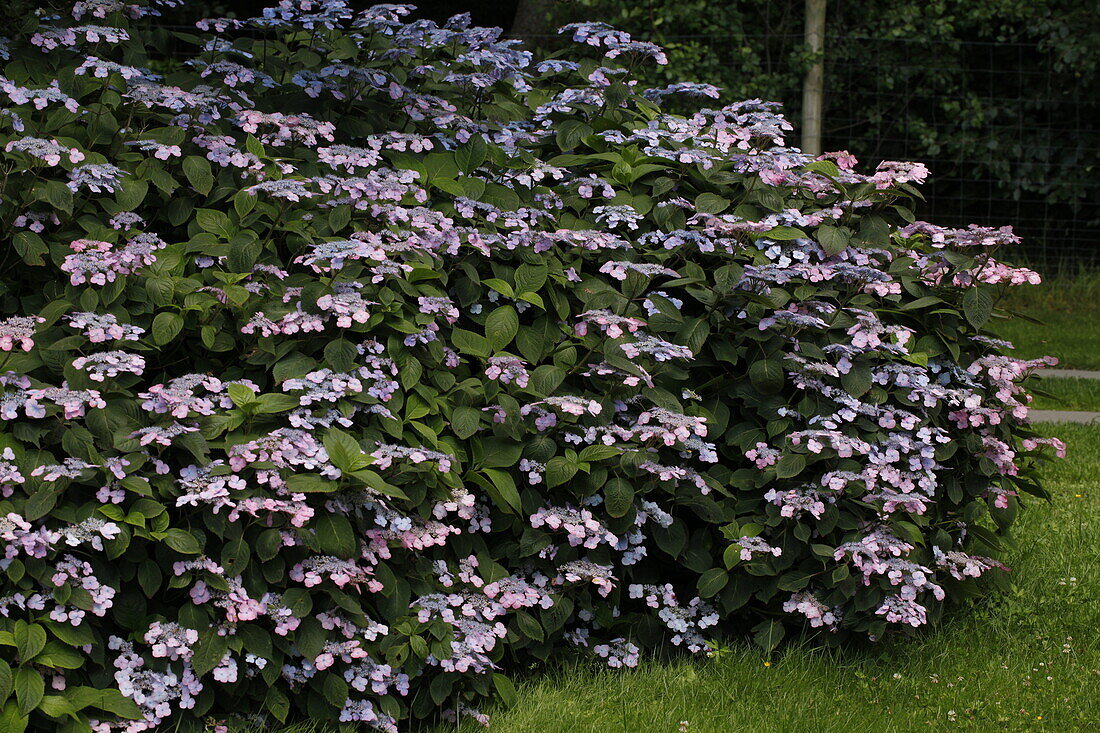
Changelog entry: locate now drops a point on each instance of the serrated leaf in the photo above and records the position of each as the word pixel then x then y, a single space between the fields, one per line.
pixel 529 626
pixel 30 639
pixel 472 154
pixel 182 542
pixel 208 652
pixel 504 487
pixel 465 421
pixel 712 581
pixel 783 233
pixel 343 450
pixel 335 690
pixel 858 379
pixel 709 203
pixel 767 375
pixel 6 680
pixel 197 171
pixel 241 394
pixel 501 326
pixel 213 221
pixel 29 689
pixel 559 470
pixel 277 704
pixel 166 326
pixel 618 496
pixel 30 247
pixel 505 689
pixel 468 342
pixel 833 239
pixel 790 465
pixel 977 306
pixel 11 720
pixel 570 132
pixel 768 634
pixel 340 355
pixel 335 535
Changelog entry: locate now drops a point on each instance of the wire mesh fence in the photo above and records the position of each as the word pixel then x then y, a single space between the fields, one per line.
pixel 1009 135
pixel 1008 141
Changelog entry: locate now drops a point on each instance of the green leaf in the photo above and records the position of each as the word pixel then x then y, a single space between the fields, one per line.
pixel 56 706
pixel 782 233
pixel 499 453
pixel 709 203
pixel 712 581
pixel 13 721
pixel 505 689
pixel 570 132
pixel 529 626
pixel 335 535
pixel 213 221
pixel 504 487
pixel 790 465
pixel 500 286
pixel 824 167
pixel 501 326
pixel 925 302
pixel 767 375
pixel 59 656
pixel 29 689
pixel 182 542
pixel 340 355
pixel 59 196
pixel 857 381
pixel 559 470
pixel 166 326
pixel 469 342
pixel 6 680
pixel 599 452
pixel 208 652
pixel 343 450
pixel 241 394
pixel 112 701
pixel 440 688
pixel 197 171
pixel 768 634
pixel 376 482
pixel 160 290
pixel 30 247
pixel 530 278
pixel 465 421
pixel 833 239
pixel 312 483
pixel 472 154
pixel 235 555
pixel 310 638
pixel 335 690
pixel 977 306
pixel 29 639
pixel 618 497
pixel 268 404
pixel 277 704
pixel 243 203
pixel 693 334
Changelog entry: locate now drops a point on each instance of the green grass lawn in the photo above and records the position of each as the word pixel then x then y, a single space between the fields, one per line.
pixel 1068 394
pixel 1070 312
pixel 1025 661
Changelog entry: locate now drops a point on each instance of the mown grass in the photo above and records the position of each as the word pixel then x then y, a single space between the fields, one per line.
pixel 1023 661
pixel 1069 309
pixel 1068 394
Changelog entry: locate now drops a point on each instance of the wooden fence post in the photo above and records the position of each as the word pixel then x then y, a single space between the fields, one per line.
pixel 813 86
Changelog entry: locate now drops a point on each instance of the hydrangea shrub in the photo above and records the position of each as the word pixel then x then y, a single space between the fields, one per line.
pixel 357 361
